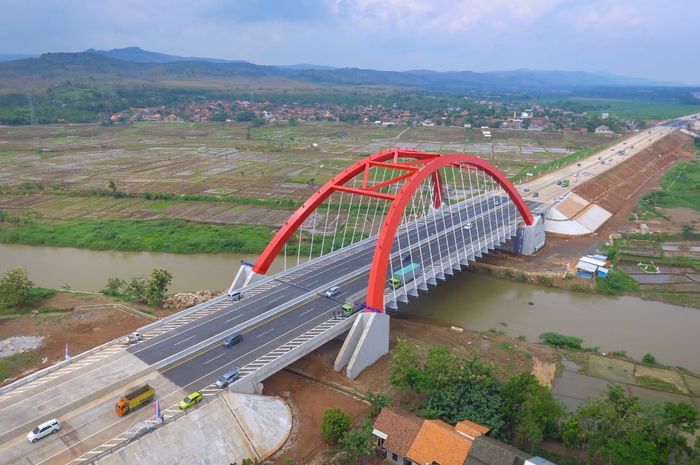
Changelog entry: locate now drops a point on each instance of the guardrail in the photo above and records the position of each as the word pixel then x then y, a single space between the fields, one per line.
pixel 139 434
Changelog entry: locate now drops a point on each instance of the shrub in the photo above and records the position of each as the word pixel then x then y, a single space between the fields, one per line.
pixel 335 425
pixel 15 287
pixel 560 340
pixel 649 359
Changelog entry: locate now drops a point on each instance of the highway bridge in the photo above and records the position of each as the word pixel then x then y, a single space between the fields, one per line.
pixel 393 208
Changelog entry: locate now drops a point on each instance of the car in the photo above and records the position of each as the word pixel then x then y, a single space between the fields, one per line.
pixel 190 401
pixel 332 292
pixel 467 226
pixel 406 257
pixel 536 194
pixel 526 190
pixel 559 183
pixel 133 338
pixel 43 430
pixel 227 378
pixel 233 339
pixel 235 295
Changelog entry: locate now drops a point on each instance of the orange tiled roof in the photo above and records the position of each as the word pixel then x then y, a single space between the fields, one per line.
pixel 471 429
pixel 400 427
pixel 440 443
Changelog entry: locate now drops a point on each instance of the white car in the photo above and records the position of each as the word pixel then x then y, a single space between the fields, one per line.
pixel 42 430
pixel 467 226
pixel 333 291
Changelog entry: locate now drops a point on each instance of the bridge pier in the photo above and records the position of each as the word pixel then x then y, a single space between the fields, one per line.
pixel 366 342
pixel 528 239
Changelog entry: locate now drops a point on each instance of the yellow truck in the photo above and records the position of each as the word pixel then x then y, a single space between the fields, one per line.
pixel 134 399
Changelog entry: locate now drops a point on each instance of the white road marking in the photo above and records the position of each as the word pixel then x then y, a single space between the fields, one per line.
pixel 266 332
pixel 212 359
pixel 184 340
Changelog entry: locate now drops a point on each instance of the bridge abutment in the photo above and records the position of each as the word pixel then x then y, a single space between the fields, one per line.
pixel 367 342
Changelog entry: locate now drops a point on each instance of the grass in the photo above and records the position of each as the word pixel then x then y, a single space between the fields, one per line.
pixel 640 109
pixel 616 282
pixel 173 236
pixel 15 364
pixel 656 383
pixel 679 188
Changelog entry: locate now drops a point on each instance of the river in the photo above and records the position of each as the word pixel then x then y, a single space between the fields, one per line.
pixel 470 300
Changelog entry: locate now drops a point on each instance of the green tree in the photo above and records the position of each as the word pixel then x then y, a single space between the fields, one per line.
pixel 439 371
pixel 136 288
pixel 112 186
pixel 356 443
pixel 649 359
pixel 475 395
pixel 157 286
pixel 335 425
pixel 377 401
pixel 15 287
pixel 687 231
pixel 530 410
pixel 114 286
pixel 403 366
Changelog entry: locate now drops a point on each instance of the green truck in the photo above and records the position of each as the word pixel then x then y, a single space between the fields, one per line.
pixel 405 275
pixel 134 399
pixel 348 309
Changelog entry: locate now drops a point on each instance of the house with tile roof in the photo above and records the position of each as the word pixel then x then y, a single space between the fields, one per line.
pixel 404 439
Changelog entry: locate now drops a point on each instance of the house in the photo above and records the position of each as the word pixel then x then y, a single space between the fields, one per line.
pixel 405 439
pixel 602 129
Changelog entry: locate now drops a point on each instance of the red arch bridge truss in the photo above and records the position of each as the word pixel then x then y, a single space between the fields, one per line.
pixel 410 170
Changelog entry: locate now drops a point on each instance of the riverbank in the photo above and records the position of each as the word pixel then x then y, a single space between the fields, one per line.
pixel 159 235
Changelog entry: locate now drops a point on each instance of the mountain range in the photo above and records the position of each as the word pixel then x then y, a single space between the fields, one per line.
pixel 138 64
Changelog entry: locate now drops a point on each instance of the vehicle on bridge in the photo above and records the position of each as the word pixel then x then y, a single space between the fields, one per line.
pixel 332 292
pixel 133 338
pixel 134 399
pixel 348 308
pixel 405 275
pixel 233 339
pixel 227 378
pixel 190 401
pixel 43 430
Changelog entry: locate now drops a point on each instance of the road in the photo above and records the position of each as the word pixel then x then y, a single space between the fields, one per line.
pixel 274 313
pixel 549 192
pixel 95 388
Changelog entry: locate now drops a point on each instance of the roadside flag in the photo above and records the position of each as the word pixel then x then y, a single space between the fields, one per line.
pixel 159 416
pixel 67 352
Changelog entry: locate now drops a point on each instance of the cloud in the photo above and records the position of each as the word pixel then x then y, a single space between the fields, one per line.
pixel 438 16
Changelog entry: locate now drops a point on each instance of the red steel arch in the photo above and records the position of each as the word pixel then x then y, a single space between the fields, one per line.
pixel 382 251
pixel 422 166
pixel 336 184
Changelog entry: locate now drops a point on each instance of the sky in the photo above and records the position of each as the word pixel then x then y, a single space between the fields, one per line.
pixel 641 38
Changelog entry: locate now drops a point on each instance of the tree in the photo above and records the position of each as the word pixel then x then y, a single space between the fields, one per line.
pixel 376 403
pixel 687 231
pixel 136 288
pixel 649 359
pixel 474 395
pixel 356 443
pixel 403 366
pixel 440 370
pixel 335 425
pixel 530 409
pixel 112 186
pixel 114 286
pixel 157 286
pixel 15 287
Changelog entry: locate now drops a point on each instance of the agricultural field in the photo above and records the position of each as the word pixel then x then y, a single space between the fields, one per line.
pixel 221 174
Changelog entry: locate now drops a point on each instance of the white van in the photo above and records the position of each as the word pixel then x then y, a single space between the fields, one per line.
pixel 42 430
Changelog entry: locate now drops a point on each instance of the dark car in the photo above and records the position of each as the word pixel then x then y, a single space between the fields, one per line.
pixel 233 339
pixel 227 378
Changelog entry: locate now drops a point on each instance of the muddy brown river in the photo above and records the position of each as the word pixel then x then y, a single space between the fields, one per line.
pixel 470 300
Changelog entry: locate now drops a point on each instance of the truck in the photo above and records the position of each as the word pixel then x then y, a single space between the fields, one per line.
pixel 134 399
pixel 565 183
pixel 405 275
pixel 348 308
